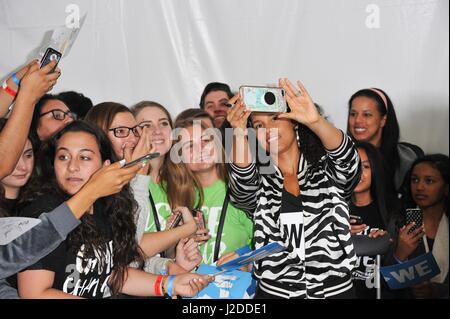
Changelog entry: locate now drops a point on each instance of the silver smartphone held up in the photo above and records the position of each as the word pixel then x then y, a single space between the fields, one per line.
pixel 144 158
pixel 264 99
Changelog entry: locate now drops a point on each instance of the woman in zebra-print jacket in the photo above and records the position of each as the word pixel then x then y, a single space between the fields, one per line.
pixel 302 204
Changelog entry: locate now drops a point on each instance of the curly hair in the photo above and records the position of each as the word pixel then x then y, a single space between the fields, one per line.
pixel 119 209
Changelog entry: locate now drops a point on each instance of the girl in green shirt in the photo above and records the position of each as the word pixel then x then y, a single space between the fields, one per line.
pixel 197 178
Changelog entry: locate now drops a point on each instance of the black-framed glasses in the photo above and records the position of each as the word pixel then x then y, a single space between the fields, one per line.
pixel 123 131
pixel 60 115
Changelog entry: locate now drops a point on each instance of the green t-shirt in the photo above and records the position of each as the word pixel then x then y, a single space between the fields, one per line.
pixel 161 205
pixel 237 228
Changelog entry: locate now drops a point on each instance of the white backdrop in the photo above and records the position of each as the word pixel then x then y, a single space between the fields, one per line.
pixel 168 50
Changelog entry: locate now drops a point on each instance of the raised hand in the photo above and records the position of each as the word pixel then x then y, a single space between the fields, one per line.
pixel 142 148
pixel 188 219
pixel 20 74
pixel 375 233
pixel 238 115
pixel 300 102
pixel 357 229
pixel 189 285
pixel 408 242
pixel 202 235
pixel 37 82
pixel 187 254
pixel 110 179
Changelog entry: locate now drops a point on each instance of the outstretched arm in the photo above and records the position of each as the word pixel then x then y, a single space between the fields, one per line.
pixel 14 135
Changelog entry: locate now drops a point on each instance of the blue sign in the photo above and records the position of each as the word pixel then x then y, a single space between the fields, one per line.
pixel 252 256
pixel 411 272
pixel 234 284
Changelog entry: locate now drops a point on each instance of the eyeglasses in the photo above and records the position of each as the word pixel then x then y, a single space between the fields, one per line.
pixel 60 115
pixel 123 131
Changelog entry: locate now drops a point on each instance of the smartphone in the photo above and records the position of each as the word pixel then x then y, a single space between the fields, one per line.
pixel 144 158
pixel 414 215
pixel 176 221
pixel 201 223
pixel 50 55
pixel 264 99
pixel 358 220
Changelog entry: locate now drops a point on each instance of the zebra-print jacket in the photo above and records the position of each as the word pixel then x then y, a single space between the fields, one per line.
pixel 325 187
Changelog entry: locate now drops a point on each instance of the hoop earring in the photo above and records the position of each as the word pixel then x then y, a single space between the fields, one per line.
pixel 297 135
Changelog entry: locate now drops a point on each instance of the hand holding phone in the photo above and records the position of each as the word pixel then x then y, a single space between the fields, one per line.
pixel 357 220
pixel 414 215
pixel 175 220
pixel 200 218
pixel 264 99
pixel 50 55
pixel 143 159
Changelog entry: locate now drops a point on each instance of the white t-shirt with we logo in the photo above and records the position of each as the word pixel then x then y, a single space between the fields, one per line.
pixel 291 218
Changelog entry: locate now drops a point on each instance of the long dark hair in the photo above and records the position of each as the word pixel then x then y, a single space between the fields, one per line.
pixel 4 211
pixel 439 162
pixel 391 130
pixel 119 208
pixel 310 145
pixel 377 189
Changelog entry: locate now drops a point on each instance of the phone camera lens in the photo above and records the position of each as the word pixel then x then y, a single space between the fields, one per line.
pixel 269 98
pixel 53 57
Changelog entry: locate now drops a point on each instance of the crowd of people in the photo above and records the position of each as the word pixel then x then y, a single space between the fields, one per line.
pixel 107 231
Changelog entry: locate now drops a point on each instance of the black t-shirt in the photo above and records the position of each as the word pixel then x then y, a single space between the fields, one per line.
pixel 10 206
pixel 76 274
pixel 363 275
pixel 370 215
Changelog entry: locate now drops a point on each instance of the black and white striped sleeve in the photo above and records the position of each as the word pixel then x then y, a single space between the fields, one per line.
pixel 243 185
pixel 343 166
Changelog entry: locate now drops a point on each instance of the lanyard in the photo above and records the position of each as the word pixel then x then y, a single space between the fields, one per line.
pixel 155 218
pixel 220 228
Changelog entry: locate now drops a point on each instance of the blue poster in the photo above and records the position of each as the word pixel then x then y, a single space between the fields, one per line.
pixel 411 272
pixel 252 256
pixel 234 284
